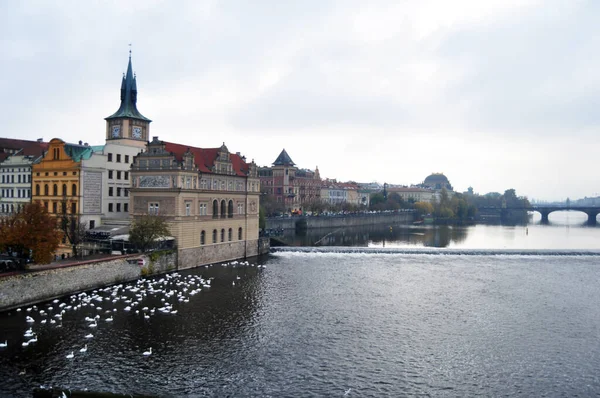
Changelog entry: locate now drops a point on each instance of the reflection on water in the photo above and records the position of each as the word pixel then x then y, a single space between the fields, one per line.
pixel 566 230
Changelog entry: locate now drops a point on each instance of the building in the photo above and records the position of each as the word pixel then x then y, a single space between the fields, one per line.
pixel 414 194
pixel 209 197
pixel 437 181
pixel 295 188
pixel 16 159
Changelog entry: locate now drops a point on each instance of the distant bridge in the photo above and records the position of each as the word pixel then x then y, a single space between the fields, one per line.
pixel 591 211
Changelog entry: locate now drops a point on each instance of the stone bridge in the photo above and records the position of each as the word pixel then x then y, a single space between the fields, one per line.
pixel 591 211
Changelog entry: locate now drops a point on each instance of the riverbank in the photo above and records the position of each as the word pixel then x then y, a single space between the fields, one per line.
pixel 340 221
pixel 46 282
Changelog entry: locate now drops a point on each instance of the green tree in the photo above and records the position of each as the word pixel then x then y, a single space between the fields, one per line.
pixel 30 233
pixel 146 229
pixel 423 208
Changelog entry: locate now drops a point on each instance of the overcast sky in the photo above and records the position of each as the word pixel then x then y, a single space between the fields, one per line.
pixel 495 94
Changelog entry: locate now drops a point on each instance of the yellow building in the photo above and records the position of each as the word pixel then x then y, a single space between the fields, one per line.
pixel 56 179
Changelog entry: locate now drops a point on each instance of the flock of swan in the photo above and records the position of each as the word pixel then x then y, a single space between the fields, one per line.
pixel 102 304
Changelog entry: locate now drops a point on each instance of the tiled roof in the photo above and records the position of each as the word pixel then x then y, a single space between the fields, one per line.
pixel 22 147
pixel 283 159
pixel 205 157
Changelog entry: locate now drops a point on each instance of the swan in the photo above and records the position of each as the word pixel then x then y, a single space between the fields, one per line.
pixel 109 319
pixel 146 316
pixel 89 336
pixel 84 349
pixel 93 325
pixel 71 355
pixel 149 352
pixel 5 344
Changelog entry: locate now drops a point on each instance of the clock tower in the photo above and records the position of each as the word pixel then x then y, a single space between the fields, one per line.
pixel 127 123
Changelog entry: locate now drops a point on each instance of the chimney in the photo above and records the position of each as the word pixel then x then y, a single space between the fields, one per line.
pixel 80 142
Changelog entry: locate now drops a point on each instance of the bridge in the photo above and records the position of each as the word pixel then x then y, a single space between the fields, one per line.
pixel 591 211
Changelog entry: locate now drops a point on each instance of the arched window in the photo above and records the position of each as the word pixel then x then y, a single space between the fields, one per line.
pixel 46 191
pixel 240 233
pixel 214 236
pixel 203 237
pixel 55 190
pixel 54 207
pixel 230 234
pixel 73 208
pixel 223 209
pixel 37 189
pixel 64 191
pixel 230 209
pixel 215 209
pixel 223 235
pixel 74 190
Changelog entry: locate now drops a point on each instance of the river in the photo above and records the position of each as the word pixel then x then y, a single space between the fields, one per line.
pixel 422 311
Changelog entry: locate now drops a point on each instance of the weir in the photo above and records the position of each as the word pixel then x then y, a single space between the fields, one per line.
pixel 439 251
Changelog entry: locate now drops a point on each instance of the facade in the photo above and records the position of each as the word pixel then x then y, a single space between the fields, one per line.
pixel 209 197
pixel 414 194
pixel 16 159
pixel 337 193
pixel 295 188
pixel 437 181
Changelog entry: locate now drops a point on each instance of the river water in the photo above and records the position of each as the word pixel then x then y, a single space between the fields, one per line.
pixel 451 318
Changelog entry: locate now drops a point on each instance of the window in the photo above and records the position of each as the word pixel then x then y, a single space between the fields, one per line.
pixel 240 233
pixel 110 157
pixel 92 224
pixel 126 176
pixel 110 191
pixel 240 208
pixel 118 207
pixel 223 209
pixel 110 207
pixel 119 191
pixel 64 207
pixel 55 190
pixel 56 153
pixel 37 189
pixel 46 190
pixel 126 158
pixel 215 211
pixel 64 189
pixel 54 207
pixel 230 209
pixel 126 207
pixel 19 178
pixel 118 158
pixel 74 190
pixel 64 173
pixel 73 208
pixel 118 175
pixel 223 235
pixel 202 209
pixel 153 208
pixel 202 237
pixel 110 174
pixel 230 234
pixel 125 192
pixel 214 236
pixel 188 208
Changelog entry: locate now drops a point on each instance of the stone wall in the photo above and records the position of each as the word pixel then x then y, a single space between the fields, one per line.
pixel 33 287
pixel 406 217
pixel 226 251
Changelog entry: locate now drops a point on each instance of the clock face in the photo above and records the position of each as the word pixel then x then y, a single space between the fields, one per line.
pixel 116 131
pixel 136 132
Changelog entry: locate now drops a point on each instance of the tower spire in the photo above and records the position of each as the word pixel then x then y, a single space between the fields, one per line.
pixel 128 106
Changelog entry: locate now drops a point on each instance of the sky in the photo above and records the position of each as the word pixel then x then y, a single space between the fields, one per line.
pixel 495 94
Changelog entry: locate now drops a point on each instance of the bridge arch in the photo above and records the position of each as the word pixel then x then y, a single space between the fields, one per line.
pixel 592 212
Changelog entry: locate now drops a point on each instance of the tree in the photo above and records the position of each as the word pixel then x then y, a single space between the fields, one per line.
pixel 423 208
pixel 30 233
pixel 71 226
pixel 146 229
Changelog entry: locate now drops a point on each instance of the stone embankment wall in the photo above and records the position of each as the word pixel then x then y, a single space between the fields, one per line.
pixel 33 287
pixel 216 253
pixel 405 217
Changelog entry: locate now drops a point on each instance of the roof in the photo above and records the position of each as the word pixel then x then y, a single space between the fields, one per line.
pixel 128 106
pixel 22 147
pixel 436 178
pixel 283 159
pixel 205 157
pixel 79 152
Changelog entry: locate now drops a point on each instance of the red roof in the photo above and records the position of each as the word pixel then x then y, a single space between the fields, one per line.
pixel 205 157
pixel 27 148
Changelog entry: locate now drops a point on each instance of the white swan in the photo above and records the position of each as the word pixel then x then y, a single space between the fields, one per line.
pixel 109 319
pixel 89 336
pixel 149 352
pixel 5 344
pixel 84 349
pixel 71 355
